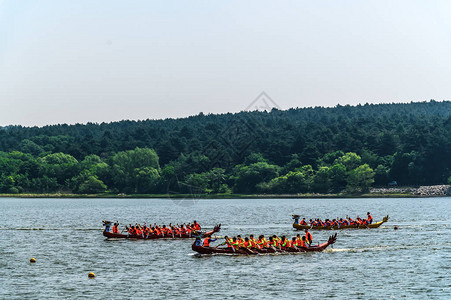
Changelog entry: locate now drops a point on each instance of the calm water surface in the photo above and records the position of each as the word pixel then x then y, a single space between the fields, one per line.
pixel 65 236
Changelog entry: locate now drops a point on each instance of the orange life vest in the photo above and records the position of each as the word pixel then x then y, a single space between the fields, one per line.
pixel 308 236
pixel 207 242
pixel 235 244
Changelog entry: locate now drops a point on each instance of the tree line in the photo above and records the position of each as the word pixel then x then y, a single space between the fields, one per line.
pixel 294 151
pixel 138 172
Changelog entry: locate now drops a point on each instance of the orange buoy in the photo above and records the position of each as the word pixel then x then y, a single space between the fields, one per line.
pixel 32 260
pixel 91 275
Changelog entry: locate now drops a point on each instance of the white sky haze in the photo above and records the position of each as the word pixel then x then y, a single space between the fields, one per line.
pixel 100 61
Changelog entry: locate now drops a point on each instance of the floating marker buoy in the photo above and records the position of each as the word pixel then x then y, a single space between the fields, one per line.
pixel 395 228
pixel 91 275
pixel 32 260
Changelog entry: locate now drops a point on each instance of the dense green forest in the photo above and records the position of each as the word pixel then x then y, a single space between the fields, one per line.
pixel 295 151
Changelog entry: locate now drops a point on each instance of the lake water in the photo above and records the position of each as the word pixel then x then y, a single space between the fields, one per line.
pixel 65 237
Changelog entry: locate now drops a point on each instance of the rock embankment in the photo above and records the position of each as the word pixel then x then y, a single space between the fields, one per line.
pixel 434 190
pixel 423 191
pixel 394 190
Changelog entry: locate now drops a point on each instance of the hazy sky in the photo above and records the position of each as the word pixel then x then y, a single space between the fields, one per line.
pixel 94 61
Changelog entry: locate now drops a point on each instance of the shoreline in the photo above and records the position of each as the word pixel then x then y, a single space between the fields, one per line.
pixel 221 196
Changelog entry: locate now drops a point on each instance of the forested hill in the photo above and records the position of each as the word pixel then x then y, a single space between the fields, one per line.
pixel 409 143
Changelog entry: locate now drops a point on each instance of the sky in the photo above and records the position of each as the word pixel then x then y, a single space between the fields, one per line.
pixel 100 61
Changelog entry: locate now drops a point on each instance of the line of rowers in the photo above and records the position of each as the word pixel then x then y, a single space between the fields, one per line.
pixel 170 230
pixel 339 222
pixel 261 242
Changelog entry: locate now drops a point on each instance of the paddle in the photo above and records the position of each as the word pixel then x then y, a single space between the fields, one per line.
pixel 249 251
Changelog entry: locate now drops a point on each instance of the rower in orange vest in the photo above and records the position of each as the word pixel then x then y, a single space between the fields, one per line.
pixel 228 242
pixel 115 229
pixel 182 230
pixel 168 230
pixel 285 243
pixel 196 226
pixel 240 240
pixel 138 230
pixel 370 218
pixel 253 241
pixel 132 230
pixel 207 241
pixel 235 243
pixel 247 243
pixel 157 230
pixel 303 242
pixel 308 236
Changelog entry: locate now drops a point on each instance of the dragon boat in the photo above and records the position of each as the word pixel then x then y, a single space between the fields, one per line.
pixel 271 250
pixel 298 226
pixel 109 234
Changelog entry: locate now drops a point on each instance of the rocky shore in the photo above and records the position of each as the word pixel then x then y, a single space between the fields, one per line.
pixel 422 191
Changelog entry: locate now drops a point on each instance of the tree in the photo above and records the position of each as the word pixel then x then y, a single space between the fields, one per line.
pixel 247 177
pixel 60 166
pixel 350 160
pixel 381 175
pixel 92 185
pixel 130 171
pixel 31 147
pixel 337 177
pixel 360 179
pixel 321 181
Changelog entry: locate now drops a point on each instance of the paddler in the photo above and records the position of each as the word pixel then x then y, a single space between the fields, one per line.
pixel 196 226
pixel 285 242
pixel 138 230
pixel 240 241
pixel 207 241
pixel 303 222
pixel 298 239
pixel 115 227
pixel 228 242
pixel 247 243
pixel 369 217
pixel 235 243
pixel 182 230
pixel 131 231
pixel 176 230
pixel 157 230
pixel 308 237
pixel 253 241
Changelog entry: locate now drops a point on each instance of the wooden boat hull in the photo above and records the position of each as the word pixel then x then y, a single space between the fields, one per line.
pixel 309 227
pixel 271 250
pixel 109 234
